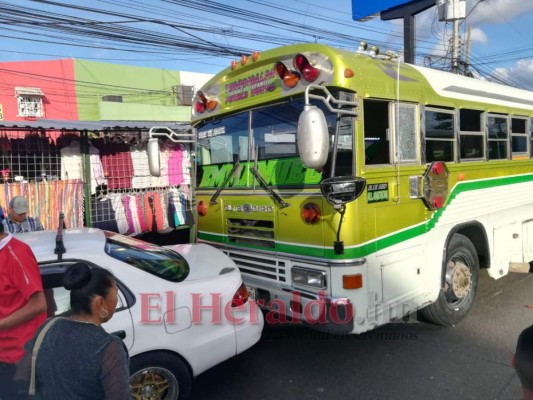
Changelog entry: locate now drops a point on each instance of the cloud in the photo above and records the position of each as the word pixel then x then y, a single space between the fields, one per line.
pixel 478 35
pixel 497 11
pixel 519 74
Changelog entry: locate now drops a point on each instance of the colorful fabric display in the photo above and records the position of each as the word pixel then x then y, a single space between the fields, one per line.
pixel 141 170
pixel 120 213
pixel 117 165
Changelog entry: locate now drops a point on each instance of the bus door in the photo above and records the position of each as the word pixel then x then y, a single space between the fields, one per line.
pixel 391 142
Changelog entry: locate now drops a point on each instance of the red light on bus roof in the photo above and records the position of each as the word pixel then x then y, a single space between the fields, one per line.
pixel 289 78
pixel 302 64
pixel 203 103
pixel 199 107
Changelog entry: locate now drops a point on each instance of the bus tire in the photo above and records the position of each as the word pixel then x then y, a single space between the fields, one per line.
pixel 460 284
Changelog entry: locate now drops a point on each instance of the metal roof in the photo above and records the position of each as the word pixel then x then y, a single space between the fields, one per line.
pixel 28 91
pixel 92 125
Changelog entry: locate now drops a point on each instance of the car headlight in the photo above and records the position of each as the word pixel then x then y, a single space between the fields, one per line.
pixel 307 277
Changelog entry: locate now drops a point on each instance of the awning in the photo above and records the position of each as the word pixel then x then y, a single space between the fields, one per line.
pixel 28 91
pixel 59 125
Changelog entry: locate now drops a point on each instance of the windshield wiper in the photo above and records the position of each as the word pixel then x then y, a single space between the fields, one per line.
pixel 265 186
pixel 214 198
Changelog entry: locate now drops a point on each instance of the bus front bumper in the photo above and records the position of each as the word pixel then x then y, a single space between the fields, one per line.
pixel 293 306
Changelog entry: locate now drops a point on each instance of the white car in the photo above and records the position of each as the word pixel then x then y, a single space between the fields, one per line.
pixel 183 308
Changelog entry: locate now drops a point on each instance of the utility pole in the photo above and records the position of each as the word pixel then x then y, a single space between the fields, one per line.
pixel 455 49
pixel 407 12
pixel 454 11
pixel 467 52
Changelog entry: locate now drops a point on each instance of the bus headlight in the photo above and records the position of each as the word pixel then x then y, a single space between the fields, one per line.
pixel 307 277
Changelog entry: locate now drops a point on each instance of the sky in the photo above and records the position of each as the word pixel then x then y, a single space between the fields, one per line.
pixel 205 36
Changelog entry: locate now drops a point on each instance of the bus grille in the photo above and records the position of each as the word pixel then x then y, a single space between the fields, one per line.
pixel 252 232
pixel 258 266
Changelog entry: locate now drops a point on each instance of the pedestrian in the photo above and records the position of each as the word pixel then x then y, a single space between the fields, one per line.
pixel 77 358
pixel 22 308
pixel 17 219
pixel 523 362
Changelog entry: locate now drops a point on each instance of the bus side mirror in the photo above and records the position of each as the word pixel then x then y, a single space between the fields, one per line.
pixel 342 189
pixel 153 157
pixel 313 137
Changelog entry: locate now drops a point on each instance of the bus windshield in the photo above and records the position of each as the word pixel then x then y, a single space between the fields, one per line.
pixel 228 140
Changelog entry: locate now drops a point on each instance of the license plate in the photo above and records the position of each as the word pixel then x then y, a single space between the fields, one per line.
pixel 252 293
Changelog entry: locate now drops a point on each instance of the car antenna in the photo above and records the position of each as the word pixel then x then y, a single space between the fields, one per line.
pixel 60 248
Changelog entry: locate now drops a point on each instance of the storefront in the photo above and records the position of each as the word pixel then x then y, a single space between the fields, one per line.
pixel 97 174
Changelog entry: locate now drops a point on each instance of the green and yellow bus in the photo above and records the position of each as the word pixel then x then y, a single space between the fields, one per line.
pixel 353 190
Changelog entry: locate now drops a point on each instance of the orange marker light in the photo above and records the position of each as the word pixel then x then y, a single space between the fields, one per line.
pixel 348 73
pixel 311 213
pixel 255 56
pixel 201 208
pixel 233 64
pixel 290 79
pixel 212 104
pixel 244 60
pixel 352 281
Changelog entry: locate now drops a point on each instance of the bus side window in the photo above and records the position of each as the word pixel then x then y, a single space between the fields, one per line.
pixel 376 125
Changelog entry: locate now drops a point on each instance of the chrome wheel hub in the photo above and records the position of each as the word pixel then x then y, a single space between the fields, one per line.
pixel 458 280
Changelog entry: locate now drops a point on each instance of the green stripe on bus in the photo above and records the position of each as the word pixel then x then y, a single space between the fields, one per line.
pixel 387 241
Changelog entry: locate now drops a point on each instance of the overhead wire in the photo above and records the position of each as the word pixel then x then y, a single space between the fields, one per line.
pixel 148 33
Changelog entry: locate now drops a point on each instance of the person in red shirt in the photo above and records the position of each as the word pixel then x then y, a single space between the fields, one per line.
pixel 22 309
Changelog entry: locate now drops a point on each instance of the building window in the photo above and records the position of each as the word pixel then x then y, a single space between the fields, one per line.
pixel 113 98
pixel 29 102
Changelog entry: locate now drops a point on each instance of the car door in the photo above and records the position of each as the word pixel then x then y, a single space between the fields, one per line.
pixel 58 299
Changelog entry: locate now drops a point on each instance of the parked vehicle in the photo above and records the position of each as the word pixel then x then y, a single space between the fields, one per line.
pixel 183 308
pixel 353 189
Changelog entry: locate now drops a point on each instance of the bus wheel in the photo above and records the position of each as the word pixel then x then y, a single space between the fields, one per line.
pixel 460 284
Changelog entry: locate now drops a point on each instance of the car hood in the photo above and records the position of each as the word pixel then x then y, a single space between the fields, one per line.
pixel 204 261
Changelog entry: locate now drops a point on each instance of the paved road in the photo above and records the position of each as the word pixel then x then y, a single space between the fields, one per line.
pixel 400 361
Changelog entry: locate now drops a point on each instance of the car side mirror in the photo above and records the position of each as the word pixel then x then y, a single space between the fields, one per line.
pixel 313 137
pixel 342 189
pixel 153 157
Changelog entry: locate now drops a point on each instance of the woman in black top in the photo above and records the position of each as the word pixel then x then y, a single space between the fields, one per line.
pixel 78 359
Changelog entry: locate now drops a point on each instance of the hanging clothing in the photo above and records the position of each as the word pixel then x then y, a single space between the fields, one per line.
pixel 120 213
pixel 175 165
pixel 141 169
pixel 117 165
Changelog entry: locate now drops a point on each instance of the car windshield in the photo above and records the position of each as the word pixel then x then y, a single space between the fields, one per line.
pixel 155 260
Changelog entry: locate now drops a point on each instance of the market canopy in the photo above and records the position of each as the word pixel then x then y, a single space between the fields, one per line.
pixel 53 124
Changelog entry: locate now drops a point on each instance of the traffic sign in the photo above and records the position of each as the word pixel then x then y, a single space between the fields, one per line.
pixel 363 9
